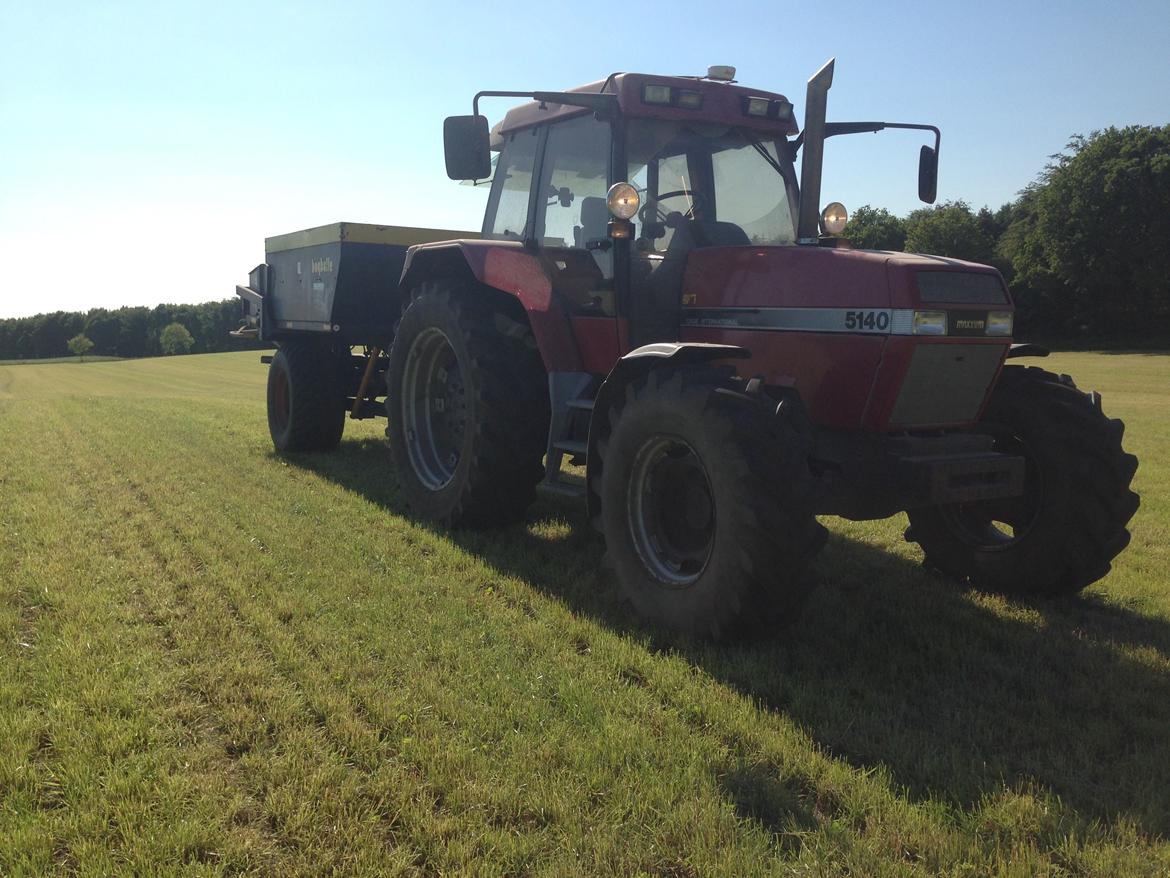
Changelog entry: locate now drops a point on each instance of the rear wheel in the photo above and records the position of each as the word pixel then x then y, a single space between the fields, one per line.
pixel 1064 531
pixel 306 407
pixel 468 407
pixel 706 505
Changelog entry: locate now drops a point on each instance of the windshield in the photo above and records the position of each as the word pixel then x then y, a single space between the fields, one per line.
pixel 737 185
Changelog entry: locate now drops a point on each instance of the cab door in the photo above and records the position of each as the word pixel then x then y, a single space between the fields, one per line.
pixel 571 231
pixel 670 165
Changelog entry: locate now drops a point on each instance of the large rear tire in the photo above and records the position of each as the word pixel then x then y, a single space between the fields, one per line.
pixel 706 505
pixel 306 406
pixel 468 407
pixel 1070 524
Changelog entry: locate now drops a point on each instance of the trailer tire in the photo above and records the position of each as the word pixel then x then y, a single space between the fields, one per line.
pixel 306 407
pixel 1071 521
pixel 468 406
pixel 707 504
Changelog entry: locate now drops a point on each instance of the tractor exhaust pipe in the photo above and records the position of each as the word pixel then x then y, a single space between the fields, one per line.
pixel 815 104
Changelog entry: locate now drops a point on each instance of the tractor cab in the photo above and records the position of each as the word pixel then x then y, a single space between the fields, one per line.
pixel 669 209
pixel 618 185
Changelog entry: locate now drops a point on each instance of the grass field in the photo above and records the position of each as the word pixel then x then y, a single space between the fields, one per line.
pixel 216 661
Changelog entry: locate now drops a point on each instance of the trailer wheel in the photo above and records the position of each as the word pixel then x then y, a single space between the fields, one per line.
pixel 468 407
pixel 1070 524
pixel 706 505
pixel 306 408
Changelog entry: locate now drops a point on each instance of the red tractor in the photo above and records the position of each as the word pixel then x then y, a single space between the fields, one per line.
pixel 656 296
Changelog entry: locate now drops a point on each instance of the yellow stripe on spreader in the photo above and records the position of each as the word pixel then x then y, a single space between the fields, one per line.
pixel 361 233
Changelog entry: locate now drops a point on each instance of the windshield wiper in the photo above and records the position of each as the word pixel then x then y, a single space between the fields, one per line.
pixel 762 150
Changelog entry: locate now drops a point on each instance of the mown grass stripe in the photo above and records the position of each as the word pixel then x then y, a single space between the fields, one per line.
pixel 97 752
pixel 256 710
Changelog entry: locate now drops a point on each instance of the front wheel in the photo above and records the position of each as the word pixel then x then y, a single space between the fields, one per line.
pixel 1070 523
pixel 706 506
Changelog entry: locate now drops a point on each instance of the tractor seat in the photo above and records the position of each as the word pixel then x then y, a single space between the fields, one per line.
pixel 719 234
pixel 594 221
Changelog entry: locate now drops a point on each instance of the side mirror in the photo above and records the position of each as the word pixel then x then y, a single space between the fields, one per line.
pixel 927 174
pixel 466 147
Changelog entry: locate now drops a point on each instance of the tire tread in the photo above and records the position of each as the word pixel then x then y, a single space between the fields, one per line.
pixel 1077 538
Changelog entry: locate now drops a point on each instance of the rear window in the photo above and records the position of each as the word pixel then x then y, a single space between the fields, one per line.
pixel 961 288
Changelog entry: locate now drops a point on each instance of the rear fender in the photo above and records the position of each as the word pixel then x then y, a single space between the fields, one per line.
pixel 634 365
pixel 510 268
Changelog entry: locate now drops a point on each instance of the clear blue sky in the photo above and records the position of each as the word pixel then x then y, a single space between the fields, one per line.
pixel 146 149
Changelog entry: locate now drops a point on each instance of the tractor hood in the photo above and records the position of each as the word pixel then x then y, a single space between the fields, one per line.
pixel 836 325
pixel 825 277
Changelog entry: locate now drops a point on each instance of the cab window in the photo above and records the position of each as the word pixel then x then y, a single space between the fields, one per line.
pixel 506 217
pixel 749 196
pixel 576 176
pixel 725 185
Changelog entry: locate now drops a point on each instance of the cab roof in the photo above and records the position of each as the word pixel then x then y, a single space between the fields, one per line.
pixel 721 102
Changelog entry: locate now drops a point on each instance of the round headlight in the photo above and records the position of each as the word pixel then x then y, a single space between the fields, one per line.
pixel 833 218
pixel 622 200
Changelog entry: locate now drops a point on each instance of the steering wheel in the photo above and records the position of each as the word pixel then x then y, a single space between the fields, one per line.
pixel 651 208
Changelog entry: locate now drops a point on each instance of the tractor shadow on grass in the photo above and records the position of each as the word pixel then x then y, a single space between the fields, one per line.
pixel 955 694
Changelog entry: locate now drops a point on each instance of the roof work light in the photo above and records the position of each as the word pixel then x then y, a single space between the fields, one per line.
pixel 834 218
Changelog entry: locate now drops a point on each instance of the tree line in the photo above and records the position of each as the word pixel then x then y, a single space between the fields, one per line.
pixel 1085 248
pixel 125 332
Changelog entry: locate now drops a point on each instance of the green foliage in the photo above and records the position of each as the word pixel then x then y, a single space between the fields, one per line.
pixel 80 345
pixel 46 335
pixel 995 223
pixel 949 229
pixel 235 663
pixel 1090 240
pixel 175 338
pixel 875 228
pixel 122 332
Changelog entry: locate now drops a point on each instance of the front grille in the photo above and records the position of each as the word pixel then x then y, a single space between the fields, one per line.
pixel 945 384
pixel 961 288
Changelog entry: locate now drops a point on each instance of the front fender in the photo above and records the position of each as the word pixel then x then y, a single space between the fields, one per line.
pixel 637 363
pixel 1026 349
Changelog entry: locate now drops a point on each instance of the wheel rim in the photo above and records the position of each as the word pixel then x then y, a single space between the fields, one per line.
pixel 281 399
pixel 998 525
pixel 671 510
pixel 434 408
